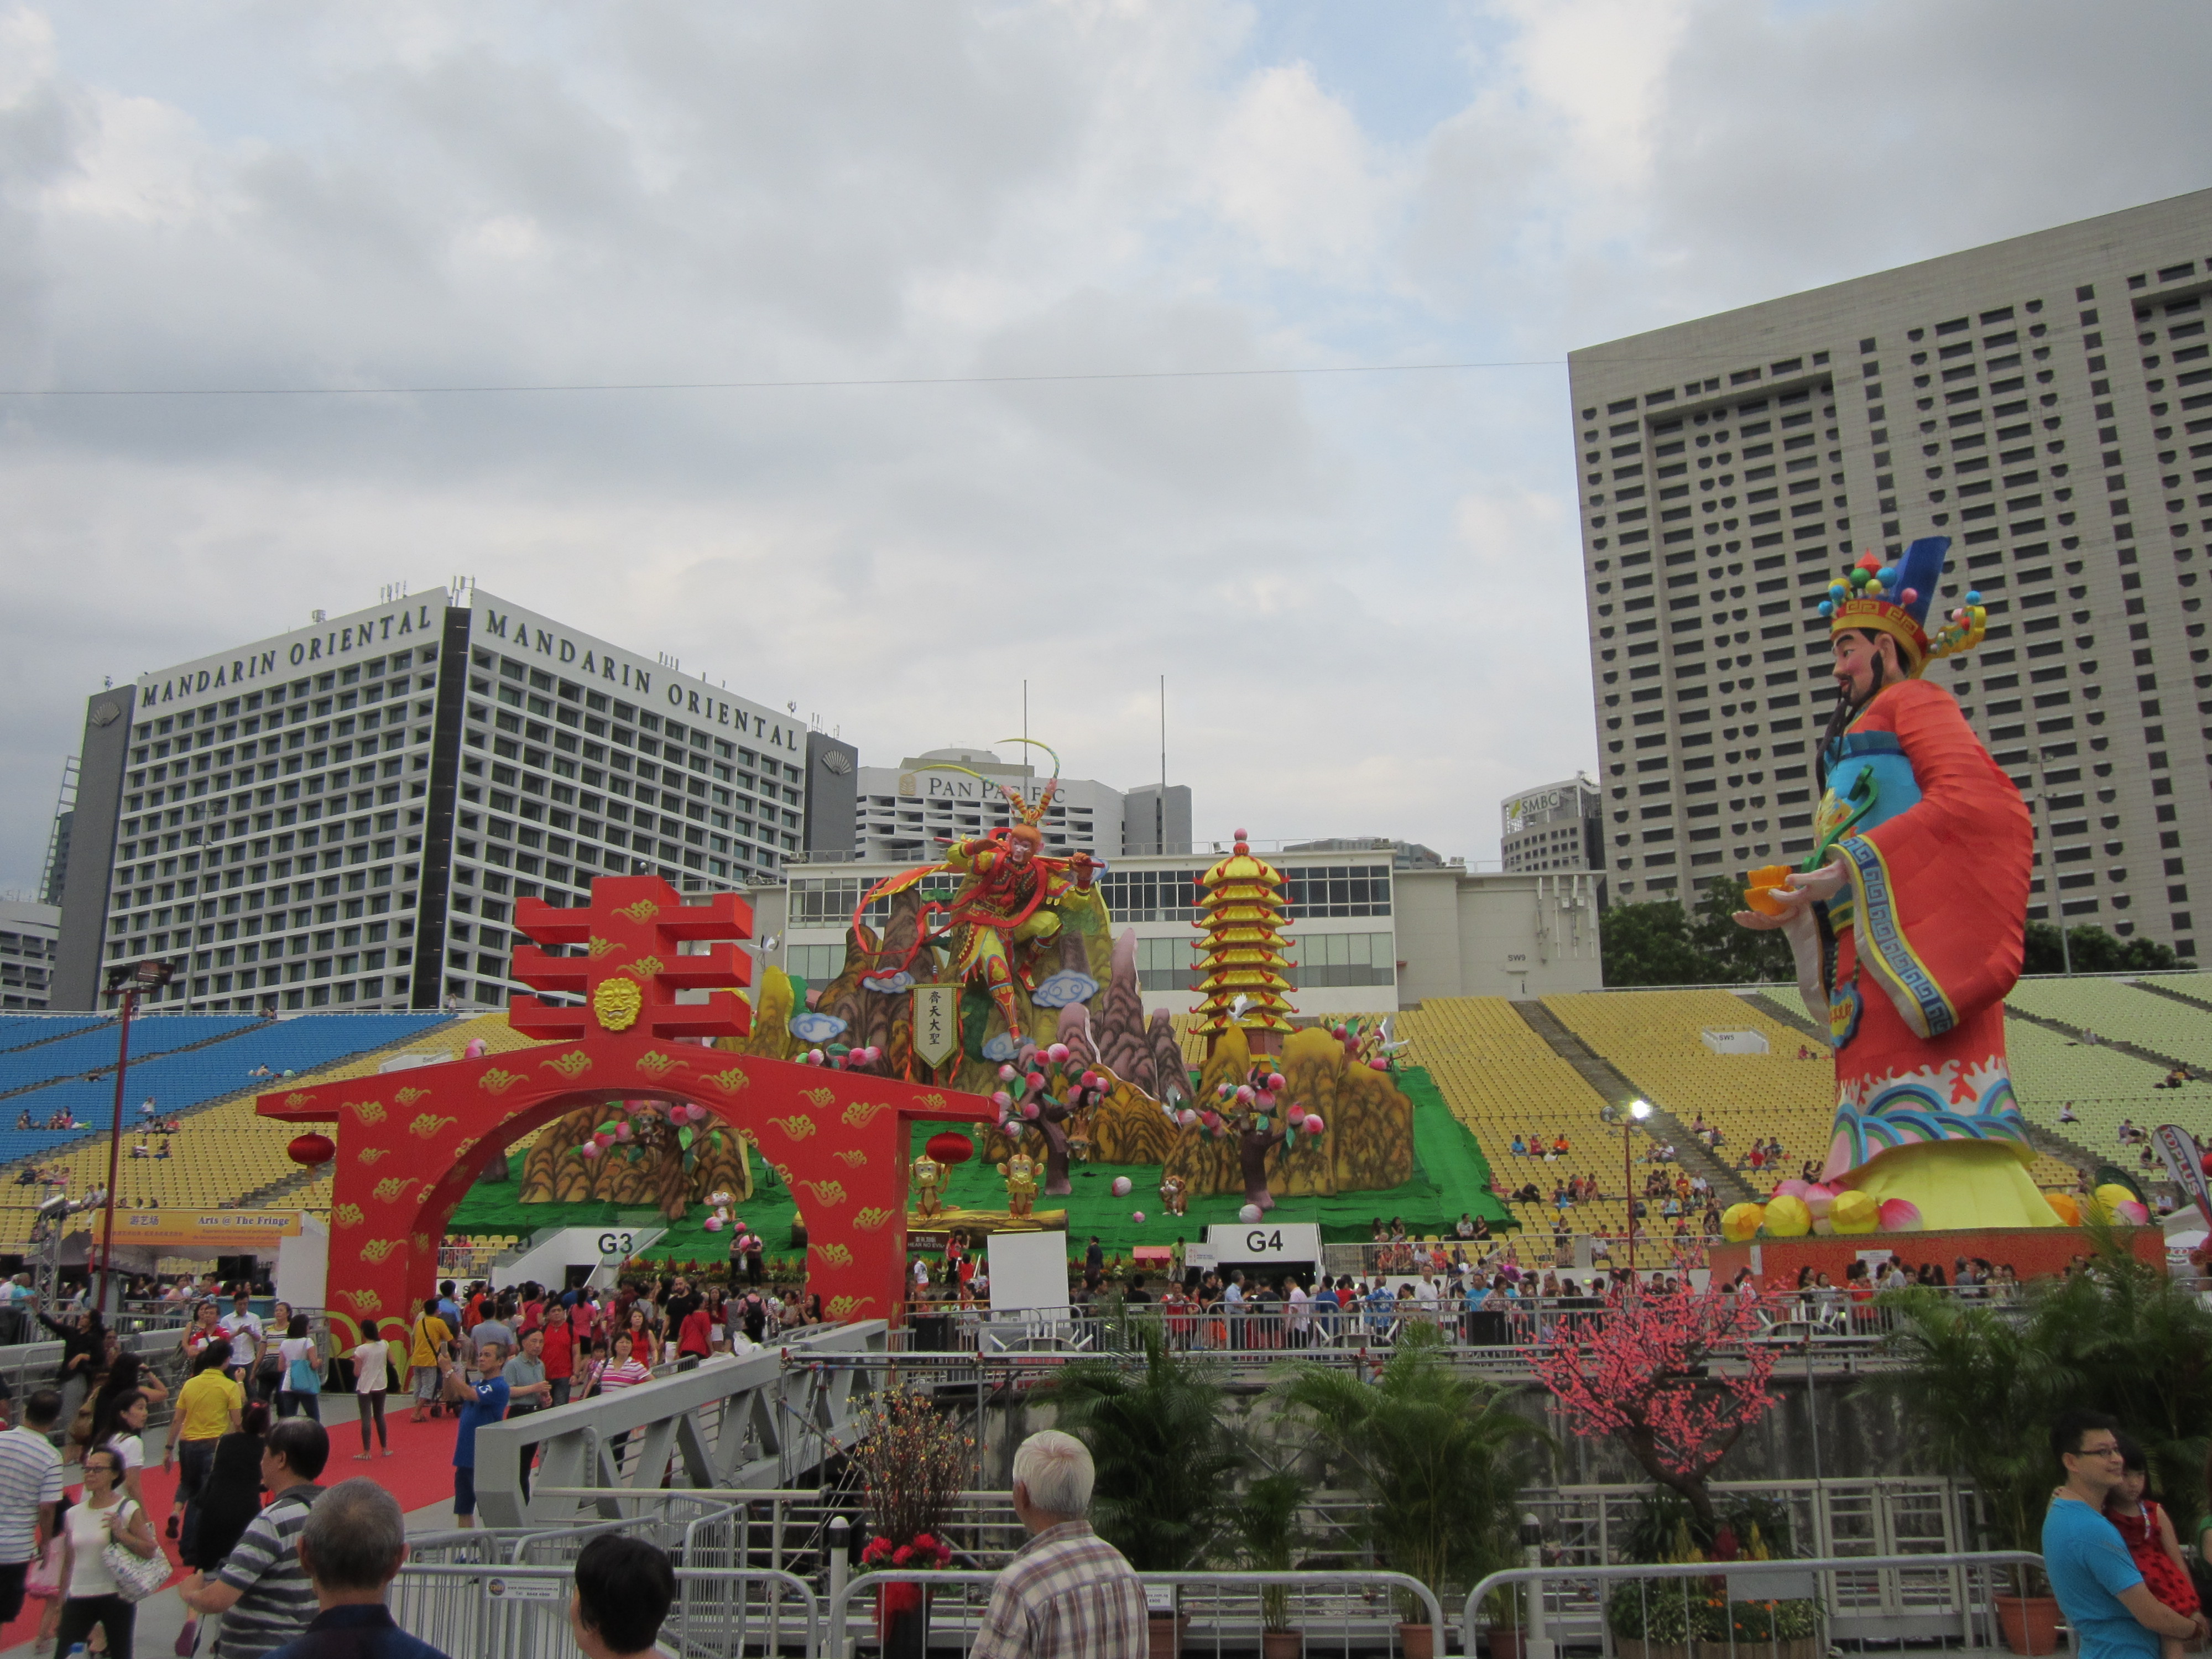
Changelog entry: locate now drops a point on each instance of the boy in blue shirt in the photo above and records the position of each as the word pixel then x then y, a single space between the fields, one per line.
pixel 485 1402
pixel 2098 1587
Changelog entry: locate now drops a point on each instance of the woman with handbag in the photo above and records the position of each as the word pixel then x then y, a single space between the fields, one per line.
pixel 300 1388
pixel 110 1561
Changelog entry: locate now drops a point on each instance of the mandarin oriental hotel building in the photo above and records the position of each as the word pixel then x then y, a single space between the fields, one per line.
pixel 344 815
pixel 2046 403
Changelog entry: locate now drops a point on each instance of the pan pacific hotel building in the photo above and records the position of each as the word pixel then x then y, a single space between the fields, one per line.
pixel 345 815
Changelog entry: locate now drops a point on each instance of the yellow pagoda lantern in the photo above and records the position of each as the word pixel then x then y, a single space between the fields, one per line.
pixel 1243 973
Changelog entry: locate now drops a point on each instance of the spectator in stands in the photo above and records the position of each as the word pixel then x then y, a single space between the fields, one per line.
pixel 23 1122
pixel 262 1589
pixel 352 1548
pixel 2128 1131
pixel 2068 1114
pixel 624 1588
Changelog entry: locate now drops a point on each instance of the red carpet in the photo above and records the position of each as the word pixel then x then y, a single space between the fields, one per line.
pixel 419 1472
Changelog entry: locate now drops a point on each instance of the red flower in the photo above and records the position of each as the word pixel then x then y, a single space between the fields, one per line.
pixel 924 1542
pixel 902 1555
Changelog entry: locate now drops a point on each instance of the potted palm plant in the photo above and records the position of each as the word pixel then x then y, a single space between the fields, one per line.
pixel 1438 1456
pixel 1976 1384
pixel 1265 1521
pixel 1165 1459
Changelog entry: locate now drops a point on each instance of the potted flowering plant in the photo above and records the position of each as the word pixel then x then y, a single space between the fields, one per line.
pixel 914 1461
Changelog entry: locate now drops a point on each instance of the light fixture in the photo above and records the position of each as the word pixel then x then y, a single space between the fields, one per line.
pixel 1639 1109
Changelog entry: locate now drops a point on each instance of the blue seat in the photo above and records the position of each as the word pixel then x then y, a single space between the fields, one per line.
pixel 179 1082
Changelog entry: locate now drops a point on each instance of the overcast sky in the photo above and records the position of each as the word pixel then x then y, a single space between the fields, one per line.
pixel 1363 589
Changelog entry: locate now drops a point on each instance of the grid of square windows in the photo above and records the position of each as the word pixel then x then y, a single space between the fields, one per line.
pixel 561 781
pixel 269 843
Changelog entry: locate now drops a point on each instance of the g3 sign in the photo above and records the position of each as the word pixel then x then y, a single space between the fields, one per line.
pixel 616 1244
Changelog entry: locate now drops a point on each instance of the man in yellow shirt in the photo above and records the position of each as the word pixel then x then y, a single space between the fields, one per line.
pixel 432 1333
pixel 209 1406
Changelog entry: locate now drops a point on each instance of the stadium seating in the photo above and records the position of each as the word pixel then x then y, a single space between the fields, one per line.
pixel 178 1082
pixel 2104 1086
pixel 17 1030
pixel 2197 987
pixel 225 1149
pixel 94 1048
pixel 1654 1039
pixel 2115 1008
pixel 1500 1078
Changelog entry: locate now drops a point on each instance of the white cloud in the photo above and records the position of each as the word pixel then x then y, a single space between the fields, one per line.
pixel 1364 591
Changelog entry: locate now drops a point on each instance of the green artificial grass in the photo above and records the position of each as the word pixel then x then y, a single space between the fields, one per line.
pixel 1451 1175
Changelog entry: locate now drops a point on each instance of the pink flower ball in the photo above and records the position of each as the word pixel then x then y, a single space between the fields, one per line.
pixel 621 1132
pixel 1136 1216
pixel 1378 1064
pixel 1792 1187
pixel 1818 1199
pixel 1899 1215
pixel 1006 1074
pixel 1057 1053
pixel 1188 1118
pixel 1002 1099
pixel 589 1149
pixel 1122 1186
pixel 1313 1125
pixel 1244 1093
pixel 713 1223
pixel 1296 1113
pixel 1035 1080
pixel 1030 1109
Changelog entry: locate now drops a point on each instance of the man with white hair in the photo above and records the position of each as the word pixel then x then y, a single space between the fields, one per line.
pixel 1068 1594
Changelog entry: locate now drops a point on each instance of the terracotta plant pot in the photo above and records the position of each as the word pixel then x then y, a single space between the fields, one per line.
pixel 1166 1632
pixel 2030 1623
pixel 1281 1643
pixel 1504 1641
pixel 1418 1640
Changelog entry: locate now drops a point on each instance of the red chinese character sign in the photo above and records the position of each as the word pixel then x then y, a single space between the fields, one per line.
pixel 412 1143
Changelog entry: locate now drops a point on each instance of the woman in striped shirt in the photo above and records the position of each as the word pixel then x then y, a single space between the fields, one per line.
pixel 623 1369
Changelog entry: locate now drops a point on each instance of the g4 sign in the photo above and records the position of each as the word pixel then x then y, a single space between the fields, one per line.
pixel 1283 1241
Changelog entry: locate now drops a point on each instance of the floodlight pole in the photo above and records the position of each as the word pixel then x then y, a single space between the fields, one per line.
pixel 115 1147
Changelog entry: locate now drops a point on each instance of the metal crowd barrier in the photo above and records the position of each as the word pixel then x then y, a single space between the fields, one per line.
pixel 1775 1609
pixel 735 1421
pixel 1224 1610
pixel 493 1611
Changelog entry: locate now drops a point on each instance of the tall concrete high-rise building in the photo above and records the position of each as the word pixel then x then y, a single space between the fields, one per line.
pixel 1554 826
pixel 2047 403
pixel 346 814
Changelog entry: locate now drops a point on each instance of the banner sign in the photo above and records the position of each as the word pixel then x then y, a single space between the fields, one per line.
pixel 2185 1164
pixel 212 1232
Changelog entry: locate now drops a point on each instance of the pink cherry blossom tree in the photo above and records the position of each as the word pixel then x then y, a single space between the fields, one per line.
pixel 1671 1376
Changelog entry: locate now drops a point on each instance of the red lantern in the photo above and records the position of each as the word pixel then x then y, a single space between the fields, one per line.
pixel 951 1147
pixel 313 1149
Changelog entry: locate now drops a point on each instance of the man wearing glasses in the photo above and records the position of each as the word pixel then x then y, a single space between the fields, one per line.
pixel 2113 1611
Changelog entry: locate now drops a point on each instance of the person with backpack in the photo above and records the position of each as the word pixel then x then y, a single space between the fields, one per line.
pixel 430 1339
